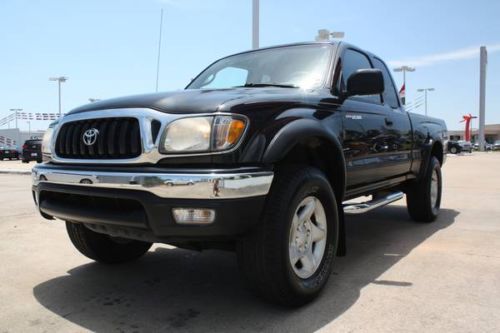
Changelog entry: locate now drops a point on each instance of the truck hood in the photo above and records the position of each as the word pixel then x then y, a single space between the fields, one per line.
pixel 204 101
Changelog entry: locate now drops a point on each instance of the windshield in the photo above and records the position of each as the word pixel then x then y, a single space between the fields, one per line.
pixel 303 66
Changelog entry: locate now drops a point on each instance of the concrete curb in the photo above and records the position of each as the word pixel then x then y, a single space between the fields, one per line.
pixel 15 172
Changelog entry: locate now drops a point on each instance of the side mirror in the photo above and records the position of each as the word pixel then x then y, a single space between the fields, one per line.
pixel 365 82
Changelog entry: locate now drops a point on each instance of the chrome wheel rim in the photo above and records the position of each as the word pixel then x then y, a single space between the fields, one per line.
pixel 307 241
pixel 434 188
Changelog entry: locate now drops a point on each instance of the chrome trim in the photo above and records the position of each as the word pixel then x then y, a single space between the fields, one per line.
pixel 150 149
pixel 363 207
pixel 165 185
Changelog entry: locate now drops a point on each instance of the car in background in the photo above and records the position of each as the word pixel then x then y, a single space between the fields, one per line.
pixel 8 152
pixel 487 146
pixel 466 145
pixel 454 147
pixel 496 145
pixel 32 151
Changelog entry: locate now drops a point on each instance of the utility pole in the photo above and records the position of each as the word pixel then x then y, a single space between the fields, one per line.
pixel 425 90
pixel 404 69
pixel 159 51
pixel 59 80
pixel 255 24
pixel 483 61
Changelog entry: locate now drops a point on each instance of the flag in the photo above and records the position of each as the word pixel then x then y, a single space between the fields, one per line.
pixel 402 93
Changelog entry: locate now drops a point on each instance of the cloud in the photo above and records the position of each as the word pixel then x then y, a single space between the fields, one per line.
pixel 434 59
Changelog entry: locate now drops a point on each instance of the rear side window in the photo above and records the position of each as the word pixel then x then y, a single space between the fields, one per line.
pixel 390 96
pixel 351 62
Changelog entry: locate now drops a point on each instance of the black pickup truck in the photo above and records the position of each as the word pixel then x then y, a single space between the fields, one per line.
pixel 259 154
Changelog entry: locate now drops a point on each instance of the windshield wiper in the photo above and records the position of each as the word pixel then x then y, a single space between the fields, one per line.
pixel 257 85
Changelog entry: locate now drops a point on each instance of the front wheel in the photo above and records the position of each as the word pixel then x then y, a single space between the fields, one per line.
pixel 103 248
pixel 289 256
pixel 423 198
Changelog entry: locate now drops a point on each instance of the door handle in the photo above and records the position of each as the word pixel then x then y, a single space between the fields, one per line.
pixel 388 122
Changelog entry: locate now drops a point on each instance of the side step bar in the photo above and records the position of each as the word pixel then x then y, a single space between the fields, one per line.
pixel 363 207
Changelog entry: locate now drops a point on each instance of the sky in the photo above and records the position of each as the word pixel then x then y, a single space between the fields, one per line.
pixel 109 48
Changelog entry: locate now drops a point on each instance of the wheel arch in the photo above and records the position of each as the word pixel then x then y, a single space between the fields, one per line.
pixel 307 141
pixel 437 151
pixel 434 149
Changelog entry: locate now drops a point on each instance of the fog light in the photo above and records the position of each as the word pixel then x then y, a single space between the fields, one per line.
pixel 193 215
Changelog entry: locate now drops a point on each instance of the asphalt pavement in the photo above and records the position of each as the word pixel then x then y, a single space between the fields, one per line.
pixel 397 276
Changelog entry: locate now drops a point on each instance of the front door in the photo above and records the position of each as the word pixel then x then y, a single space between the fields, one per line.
pixel 398 128
pixel 365 137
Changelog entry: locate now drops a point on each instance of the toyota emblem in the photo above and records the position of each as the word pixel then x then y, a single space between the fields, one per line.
pixel 90 136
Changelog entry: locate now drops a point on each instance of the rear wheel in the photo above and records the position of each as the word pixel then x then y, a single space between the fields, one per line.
pixel 103 248
pixel 453 150
pixel 288 258
pixel 423 198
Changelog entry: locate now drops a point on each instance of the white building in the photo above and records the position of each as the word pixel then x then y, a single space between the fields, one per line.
pixel 16 137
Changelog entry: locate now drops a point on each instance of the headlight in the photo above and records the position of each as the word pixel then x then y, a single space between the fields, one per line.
pixel 202 134
pixel 47 139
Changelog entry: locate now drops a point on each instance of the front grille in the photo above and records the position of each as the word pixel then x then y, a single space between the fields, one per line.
pixel 117 138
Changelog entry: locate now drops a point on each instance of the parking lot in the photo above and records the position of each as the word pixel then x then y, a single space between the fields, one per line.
pixel 397 276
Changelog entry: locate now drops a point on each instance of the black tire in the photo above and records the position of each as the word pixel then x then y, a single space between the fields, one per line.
pixel 453 150
pixel 263 255
pixel 418 196
pixel 25 161
pixel 103 248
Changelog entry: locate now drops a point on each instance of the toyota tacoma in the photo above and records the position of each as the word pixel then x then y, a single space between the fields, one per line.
pixel 262 154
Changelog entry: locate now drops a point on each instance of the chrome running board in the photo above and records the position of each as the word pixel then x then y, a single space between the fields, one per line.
pixel 363 207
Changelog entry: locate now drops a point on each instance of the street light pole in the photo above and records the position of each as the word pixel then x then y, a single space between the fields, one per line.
pixel 404 69
pixel 425 90
pixel 255 24
pixel 59 80
pixel 159 52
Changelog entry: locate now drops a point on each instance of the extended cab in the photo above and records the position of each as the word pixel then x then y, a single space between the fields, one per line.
pixel 259 154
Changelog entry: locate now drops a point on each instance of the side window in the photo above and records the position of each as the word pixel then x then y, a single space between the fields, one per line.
pixel 390 96
pixel 352 61
pixel 226 77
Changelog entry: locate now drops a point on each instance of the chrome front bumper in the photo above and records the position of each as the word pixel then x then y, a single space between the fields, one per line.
pixel 209 185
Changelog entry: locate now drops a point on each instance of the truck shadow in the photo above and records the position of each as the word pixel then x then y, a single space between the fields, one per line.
pixel 184 290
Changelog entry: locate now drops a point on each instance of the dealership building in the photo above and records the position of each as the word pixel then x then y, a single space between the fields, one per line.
pixel 13 137
pixel 491 134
